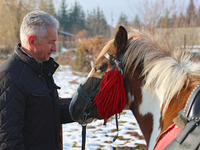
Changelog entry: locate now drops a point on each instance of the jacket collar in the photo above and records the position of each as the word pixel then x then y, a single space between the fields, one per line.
pixel 48 67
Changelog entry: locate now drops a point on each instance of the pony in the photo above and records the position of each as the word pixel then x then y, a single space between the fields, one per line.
pixel 157 81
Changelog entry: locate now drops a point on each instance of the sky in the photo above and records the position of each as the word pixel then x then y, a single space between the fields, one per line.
pixel 112 9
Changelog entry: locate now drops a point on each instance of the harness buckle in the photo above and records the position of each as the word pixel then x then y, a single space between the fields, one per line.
pixel 84 122
pixel 118 66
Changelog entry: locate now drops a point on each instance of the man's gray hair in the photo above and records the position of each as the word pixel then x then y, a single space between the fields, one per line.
pixel 35 23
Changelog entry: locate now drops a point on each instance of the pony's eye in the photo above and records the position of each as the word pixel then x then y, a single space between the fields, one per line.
pixel 101 67
pixel 98 71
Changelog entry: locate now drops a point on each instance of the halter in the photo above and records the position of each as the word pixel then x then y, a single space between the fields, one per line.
pixel 89 98
pixel 118 63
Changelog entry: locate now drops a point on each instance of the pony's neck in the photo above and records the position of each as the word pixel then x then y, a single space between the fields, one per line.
pixel 150 106
pixel 146 107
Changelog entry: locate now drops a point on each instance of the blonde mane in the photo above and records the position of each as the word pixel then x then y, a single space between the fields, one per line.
pixel 164 71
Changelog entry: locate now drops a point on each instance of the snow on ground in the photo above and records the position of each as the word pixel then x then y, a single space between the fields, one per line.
pixel 98 136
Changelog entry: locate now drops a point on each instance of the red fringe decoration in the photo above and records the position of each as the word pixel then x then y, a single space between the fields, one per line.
pixel 111 98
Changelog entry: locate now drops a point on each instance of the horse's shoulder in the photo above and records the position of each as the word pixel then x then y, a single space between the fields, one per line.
pixel 188 120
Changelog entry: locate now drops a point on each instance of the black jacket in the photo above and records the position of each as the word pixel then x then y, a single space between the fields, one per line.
pixel 30 113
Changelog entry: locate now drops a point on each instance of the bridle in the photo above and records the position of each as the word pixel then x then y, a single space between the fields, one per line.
pixel 88 107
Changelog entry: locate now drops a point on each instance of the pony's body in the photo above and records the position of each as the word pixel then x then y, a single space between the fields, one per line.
pixel 165 82
pixel 157 81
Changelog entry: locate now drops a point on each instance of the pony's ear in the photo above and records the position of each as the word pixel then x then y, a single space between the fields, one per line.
pixel 121 41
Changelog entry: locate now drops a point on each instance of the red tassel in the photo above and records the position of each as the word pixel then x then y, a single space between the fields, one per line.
pixel 111 98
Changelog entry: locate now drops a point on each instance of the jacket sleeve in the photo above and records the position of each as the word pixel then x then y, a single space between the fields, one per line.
pixel 12 107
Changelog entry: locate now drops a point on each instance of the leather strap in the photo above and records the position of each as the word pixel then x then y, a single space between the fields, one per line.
pixel 83 136
pixel 191 110
pixel 89 99
pixel 187 139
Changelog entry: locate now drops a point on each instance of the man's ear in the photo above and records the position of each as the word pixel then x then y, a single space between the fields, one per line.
pixel 31 41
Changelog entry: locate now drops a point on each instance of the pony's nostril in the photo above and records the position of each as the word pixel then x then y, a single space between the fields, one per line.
pixel 76 116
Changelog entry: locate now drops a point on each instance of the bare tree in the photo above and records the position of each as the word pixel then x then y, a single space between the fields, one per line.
pixel 151 12
pixel 11 15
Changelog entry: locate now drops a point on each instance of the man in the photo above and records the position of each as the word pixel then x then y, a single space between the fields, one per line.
pixel 30 113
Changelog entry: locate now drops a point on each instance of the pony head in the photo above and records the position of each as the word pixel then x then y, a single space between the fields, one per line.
pixel 83 101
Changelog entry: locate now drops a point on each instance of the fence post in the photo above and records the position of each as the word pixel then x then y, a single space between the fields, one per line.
pixel 61 137
pixel 184 41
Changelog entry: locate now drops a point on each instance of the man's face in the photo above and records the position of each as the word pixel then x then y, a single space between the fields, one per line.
pixel 44 48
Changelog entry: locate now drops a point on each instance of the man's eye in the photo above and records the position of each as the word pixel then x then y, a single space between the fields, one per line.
pixel 51 42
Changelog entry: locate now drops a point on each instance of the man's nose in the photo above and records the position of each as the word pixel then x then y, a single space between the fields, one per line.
pixel 54 47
